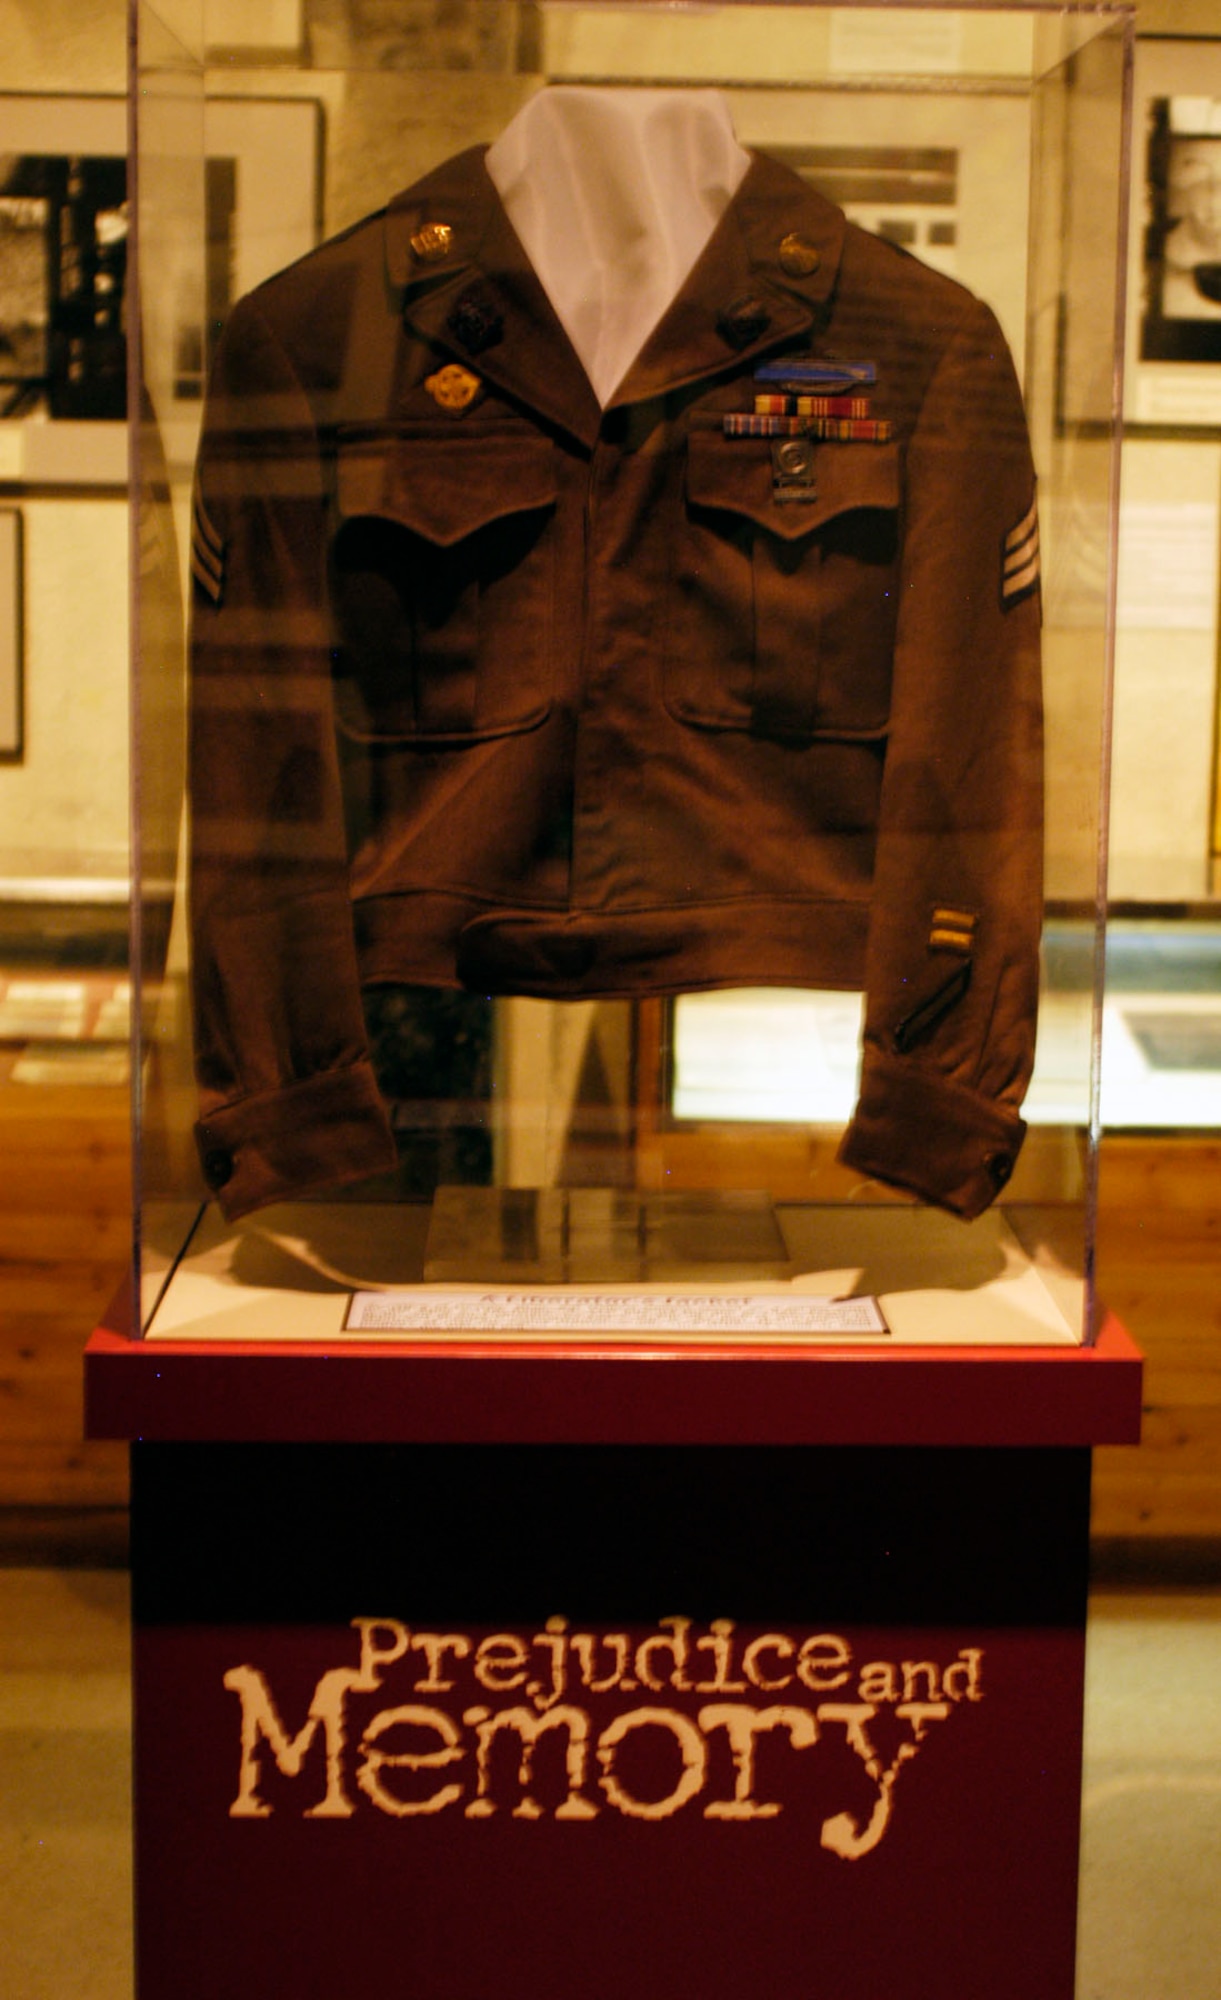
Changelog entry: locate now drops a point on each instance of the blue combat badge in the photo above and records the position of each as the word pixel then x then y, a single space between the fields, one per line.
pixel 828 377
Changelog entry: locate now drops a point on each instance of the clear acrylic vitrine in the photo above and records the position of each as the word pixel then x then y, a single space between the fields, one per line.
pixel 622 637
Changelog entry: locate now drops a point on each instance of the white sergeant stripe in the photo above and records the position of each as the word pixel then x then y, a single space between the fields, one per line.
pixel 1027 525
pixel 1022 577
pixel 1022 551
pixel 209 532
pixel 1022 563
pixel 203 555
pixel 204 577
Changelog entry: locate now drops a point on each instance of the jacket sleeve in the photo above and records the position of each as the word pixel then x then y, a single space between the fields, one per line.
pixel 287 1092
pixel 952 962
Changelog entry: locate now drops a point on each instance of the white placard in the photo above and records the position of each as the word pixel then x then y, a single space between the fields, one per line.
pixel 1164 394
pixel 708 1315
pixel 11 691
pixel 266 25
pixel 894 42
pixel 1168 566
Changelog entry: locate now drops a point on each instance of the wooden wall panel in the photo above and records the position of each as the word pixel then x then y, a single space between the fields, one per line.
pixel 1159 1269
pixel 65 1234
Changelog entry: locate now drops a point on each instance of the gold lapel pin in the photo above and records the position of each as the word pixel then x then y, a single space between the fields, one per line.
pixel 432 242
pixel 453 388
pixel 798 255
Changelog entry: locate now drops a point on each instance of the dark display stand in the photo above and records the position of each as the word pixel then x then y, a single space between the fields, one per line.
pixel 533 1673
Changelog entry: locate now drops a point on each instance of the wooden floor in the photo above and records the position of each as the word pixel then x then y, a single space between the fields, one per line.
pixel 65 1234
pixel 1159 1269
pixel 64 1208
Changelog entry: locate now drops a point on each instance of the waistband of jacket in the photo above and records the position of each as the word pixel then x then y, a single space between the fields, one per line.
pixel 435 938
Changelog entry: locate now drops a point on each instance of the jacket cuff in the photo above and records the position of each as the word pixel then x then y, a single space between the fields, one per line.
pixel 326 1129
pixel 919 1131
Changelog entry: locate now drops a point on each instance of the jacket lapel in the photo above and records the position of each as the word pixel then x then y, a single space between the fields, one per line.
pixel 481 301
pixel 527 354
pixel 738 283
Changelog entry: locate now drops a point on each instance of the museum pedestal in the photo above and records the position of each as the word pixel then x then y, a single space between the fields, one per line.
pixel 710 1660
pixel 466 1669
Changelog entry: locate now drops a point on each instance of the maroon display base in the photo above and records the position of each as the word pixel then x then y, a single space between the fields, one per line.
pixel 470 1391
pixel 591 1714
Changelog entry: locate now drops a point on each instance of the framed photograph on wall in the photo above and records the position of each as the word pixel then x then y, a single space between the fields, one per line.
pixel 63 264
pixel 263 193
pixel 263 31
pixel 63 281
pixel 1173 377
pixel 12 689
pixel 922 170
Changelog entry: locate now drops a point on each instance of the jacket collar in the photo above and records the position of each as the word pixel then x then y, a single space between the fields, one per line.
pixel 737 279
pixel 531 356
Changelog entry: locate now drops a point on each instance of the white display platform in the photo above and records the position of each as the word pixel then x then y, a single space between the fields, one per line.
pixel 289 1274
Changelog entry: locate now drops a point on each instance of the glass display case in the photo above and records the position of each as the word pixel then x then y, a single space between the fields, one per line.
pixel 64 992
pixel 626 506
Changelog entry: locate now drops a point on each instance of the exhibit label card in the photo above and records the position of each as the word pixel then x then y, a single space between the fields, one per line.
pixel 700 1316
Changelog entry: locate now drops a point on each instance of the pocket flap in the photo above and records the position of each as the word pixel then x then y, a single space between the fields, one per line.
pixel 735 475
pixel 445 488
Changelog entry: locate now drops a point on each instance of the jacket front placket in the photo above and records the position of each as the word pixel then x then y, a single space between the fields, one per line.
pixel 484 305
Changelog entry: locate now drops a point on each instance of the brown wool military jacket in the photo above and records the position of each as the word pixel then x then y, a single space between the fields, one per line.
pixel 495 689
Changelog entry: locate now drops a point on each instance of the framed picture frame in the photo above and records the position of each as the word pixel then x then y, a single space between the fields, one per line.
pixel 262 31
pixel 264 196
pixel 1173 332
pixel 12 666
pixel 63 265
pixel 921 169
pixel 63 282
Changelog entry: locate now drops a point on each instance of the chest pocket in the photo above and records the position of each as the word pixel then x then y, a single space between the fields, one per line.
pixel 443 573
pixel 785 609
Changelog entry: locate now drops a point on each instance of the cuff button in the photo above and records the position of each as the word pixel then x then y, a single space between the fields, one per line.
pixel 218 1167
pixel 999 1167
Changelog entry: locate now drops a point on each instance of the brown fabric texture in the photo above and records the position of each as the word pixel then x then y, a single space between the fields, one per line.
pixel 536 698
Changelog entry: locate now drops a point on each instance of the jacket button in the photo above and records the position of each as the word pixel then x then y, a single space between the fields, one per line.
pixel 475 322
pixel 571 957
pixel 743 322
pixel 999 1167
pixel 798 256
pixel 218 1166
